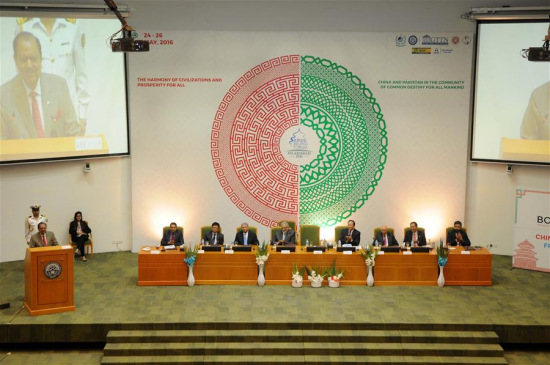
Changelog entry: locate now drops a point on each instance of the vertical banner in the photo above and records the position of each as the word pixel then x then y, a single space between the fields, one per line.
pixel 532 230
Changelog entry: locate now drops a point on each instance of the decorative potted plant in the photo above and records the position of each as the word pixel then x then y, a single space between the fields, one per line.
pixel 190 258
pixel 297 276
pixel 316 276
pixel 369 255
pixel 442 256
pixel 262 254
pixel 334 274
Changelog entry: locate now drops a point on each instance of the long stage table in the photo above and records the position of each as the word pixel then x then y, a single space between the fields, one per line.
pixel 239 268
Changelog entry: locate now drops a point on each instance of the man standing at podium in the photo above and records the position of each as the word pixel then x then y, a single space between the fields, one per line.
pixel 32 221
pixel 35 104
pixel 43 238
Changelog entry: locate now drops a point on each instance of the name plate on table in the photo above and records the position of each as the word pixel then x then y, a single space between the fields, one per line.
pixel 315 248
pixel 155 252
pixel 465 252
pixel 246 248
pixel 348 252
pixel 381 252
pixel 407 253
pixel 170 247
pixel 66 247
pixel 285 252
pixel 200 251
pixel 347 245
pixel 317 252
pixel 229 252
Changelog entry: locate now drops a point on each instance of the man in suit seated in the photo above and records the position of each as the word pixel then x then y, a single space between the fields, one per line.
pixel 285 236
pixel 246 237
pixel 350 235
pixel 172 236
pixel 414 237
pixel 214 237
pixel 385 238
pixel 43 238
pixel 458 237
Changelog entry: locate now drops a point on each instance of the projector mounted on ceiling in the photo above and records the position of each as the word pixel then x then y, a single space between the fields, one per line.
pixel 127 43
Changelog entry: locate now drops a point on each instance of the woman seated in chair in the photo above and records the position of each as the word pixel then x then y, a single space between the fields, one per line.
pixel 79 231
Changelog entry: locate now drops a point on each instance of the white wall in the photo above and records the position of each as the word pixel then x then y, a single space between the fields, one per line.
pixel 104 195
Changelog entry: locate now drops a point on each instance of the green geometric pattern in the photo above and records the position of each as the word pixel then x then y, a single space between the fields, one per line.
pixel 353 142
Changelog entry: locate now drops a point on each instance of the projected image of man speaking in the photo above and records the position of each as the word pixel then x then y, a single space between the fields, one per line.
pixel 35 104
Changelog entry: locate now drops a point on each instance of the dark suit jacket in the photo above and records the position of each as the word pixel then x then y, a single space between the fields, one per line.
pixel 83 225
pixel 391 239
pixel 252 238
pixel 421 238
pixel 36 240
pixel 355 237
pixel 59 116
pixel 451 238
pixel 209 239
pixel 290 237
pixel 178 238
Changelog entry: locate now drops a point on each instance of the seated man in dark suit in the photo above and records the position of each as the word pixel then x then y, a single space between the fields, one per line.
pixel 285 236
pixel 385 238
pixel 214 237
pixel 458 237
pixel 43 238
pixel 172 236
pixel 246 237
pixel 350 235
pixel 414 237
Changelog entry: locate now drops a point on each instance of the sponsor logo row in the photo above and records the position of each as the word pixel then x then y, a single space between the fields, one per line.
pixel 435 43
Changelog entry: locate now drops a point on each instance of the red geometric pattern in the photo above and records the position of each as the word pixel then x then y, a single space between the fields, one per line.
pixel 245 139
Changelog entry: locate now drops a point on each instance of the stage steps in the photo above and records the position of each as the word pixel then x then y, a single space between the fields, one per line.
pixel 302 347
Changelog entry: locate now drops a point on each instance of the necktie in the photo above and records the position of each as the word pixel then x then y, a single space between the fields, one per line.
pixel 214 240
pixel 44 240
pixel 172 238
pixel 385 240
pixel 283 236
pixel 36 116
pixel 246 238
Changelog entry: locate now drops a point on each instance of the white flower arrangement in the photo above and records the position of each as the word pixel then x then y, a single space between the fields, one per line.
pixel 316 277
pixel 260 260
pixel 262 254
pixel 369 255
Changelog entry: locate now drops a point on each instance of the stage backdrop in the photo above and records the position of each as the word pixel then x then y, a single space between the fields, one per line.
pixel 317 128
pixel 532 229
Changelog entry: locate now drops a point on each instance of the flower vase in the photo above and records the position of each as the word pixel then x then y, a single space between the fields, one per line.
pixel 261 277
pixel 370 276
pixel 190 276
pixel 333 283
pixel 441 278
pixel 316 284
pixel 297 283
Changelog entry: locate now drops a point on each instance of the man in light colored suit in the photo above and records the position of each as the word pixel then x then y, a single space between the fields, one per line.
pixel 43 238
pixel 34 104
pixel 285 236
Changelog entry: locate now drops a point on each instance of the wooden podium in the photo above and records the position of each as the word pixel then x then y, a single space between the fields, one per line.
pixel 49 282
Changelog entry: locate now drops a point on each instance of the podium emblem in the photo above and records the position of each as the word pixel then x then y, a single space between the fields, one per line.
pixel 52 270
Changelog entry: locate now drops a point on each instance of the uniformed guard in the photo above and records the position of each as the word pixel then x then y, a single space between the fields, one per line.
pixel 63 54
pixel 31 223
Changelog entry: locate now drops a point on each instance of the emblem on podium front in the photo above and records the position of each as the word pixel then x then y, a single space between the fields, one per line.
pixel 52 270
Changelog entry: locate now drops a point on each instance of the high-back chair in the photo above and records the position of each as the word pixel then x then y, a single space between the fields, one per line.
pixel 273 230
pixel 337 232
pixel 309 232
pixel 88 245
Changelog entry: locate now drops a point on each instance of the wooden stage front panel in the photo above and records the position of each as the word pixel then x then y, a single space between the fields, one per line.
pixel 164 268
pixel 420 268
pixel 474 268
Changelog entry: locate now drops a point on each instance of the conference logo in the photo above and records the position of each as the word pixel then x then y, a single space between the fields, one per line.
pixel 52 270
pixel 400 40
pixel 413 40
pixel 429 40
pixel 436 50
pixel 543 220
pixel 455 39
pixel 466 39
pixel 299 137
